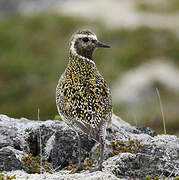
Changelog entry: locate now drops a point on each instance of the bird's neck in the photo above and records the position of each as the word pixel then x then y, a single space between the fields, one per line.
pixel 76 58
pixel 85 53
pixel 79 66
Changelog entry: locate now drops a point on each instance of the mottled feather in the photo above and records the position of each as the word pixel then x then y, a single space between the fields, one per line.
pixel 83 97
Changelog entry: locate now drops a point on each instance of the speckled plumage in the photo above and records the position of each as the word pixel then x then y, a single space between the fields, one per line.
pixel 83 98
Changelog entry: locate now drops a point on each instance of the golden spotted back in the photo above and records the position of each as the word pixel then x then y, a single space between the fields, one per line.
pixel 83 97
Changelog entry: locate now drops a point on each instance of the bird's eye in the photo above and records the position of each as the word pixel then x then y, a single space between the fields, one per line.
pixel 85 39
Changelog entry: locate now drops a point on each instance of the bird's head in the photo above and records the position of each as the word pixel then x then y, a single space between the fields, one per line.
pixel 84 42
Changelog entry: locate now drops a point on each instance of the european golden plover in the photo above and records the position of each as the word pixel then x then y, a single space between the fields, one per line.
pixel 82 96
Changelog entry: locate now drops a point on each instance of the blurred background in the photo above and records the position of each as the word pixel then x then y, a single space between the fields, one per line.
pixel 144 58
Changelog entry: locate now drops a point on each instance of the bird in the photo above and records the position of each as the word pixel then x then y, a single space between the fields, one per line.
pixel 83 98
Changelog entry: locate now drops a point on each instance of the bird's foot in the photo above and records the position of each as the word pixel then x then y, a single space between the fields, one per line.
pixel 78 169
pixel 91 170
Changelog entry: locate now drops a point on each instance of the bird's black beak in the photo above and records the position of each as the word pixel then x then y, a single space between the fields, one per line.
pixel 100 44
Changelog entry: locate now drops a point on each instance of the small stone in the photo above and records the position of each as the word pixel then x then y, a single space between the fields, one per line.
pixel 9 161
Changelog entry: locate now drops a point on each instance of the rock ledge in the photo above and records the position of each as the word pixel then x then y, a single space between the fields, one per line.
pixel 130 152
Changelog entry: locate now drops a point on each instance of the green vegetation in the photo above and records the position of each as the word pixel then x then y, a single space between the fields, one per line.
pixel 36 164
pixel 57 117
pixel 155 178
pixel 87 164
pixel 118 146
pixel 34 53
pixel 132 146
pixel 5 177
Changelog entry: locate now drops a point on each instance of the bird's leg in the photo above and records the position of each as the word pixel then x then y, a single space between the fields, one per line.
pixel 101 157
pixel 79 152
pixel 99 167
pixel 89 135
pixel 79 167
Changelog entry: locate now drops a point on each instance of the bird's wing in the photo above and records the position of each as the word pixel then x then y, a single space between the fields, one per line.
pixel 87 106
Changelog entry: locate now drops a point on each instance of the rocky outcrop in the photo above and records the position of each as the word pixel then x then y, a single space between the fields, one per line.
pixel 130 152
pixel 56 142
pixel 139 84
pixel 9 160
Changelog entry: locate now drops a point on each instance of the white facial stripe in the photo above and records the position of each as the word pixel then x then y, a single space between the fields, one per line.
pixel 92 36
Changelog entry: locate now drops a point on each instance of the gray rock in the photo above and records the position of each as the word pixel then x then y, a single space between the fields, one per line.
pixel 138 85
pixel 65 148
pixel 140 153
pixel 53 140
pixel 149 161
pixel 130 152
pixel 158 156
pixel 64 175
pixel 9 161
pixel 145 130
pixel 19 6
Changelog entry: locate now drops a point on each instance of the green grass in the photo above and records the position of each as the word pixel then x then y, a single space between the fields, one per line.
pixel 34 52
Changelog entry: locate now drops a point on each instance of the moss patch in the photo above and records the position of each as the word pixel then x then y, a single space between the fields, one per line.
pixel 36 164
pixel 6 177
